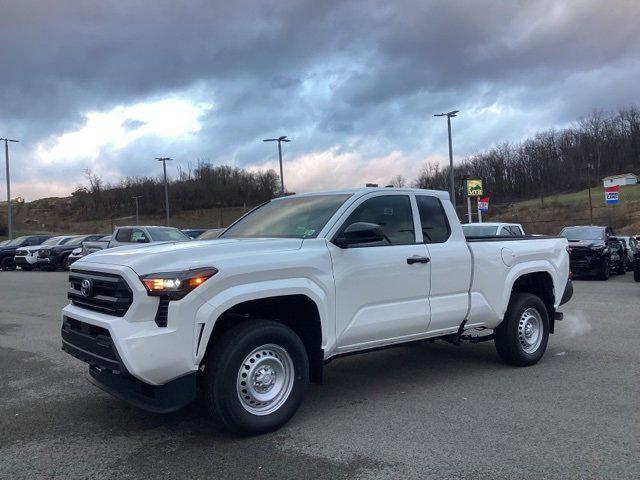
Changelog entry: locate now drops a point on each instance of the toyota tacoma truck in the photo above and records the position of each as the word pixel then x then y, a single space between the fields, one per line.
pixel 246 321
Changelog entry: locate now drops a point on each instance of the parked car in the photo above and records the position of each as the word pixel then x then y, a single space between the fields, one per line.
pixel 143 234
pixel 193 233
pixel 88 247
pixel 251 319
pixel 629 250
pixel 27 257
pixel 52 258
pixel 8 251
pixel 491 229
pixel 211 234
pixel 595 251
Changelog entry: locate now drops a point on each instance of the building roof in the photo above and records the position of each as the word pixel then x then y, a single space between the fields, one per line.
pixel 621 176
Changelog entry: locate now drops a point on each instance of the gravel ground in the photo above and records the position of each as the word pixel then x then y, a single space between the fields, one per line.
pixel 421 411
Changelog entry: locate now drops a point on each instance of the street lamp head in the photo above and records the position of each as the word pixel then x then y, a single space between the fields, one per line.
pixel 452 113
pixel 283 138
pixel 163 159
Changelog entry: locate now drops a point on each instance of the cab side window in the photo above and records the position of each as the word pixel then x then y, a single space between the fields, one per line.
pixel 392 212
pixel 138 235
pixel 435 226
pixel 516 231
pixel 505 232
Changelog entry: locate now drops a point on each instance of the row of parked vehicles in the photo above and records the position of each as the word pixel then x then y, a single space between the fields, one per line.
pixel 595 251
pixel 47 252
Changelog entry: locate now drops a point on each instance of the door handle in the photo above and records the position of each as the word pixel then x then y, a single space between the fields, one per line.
pixel 412 260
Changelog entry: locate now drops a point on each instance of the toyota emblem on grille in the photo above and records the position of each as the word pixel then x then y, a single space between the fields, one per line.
pixel 86 287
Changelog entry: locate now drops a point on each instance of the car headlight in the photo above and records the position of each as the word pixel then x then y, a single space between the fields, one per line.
pixel 175 285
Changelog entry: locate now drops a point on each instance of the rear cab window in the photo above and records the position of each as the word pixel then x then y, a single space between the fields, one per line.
pixel 435 225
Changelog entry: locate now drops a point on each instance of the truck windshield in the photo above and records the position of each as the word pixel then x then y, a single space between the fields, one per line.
pixel 164 234
pixel 479 230
pixel 583 233
pixel 293 217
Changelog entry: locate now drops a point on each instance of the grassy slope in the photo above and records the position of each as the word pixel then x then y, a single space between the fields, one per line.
pixel 573 209
pixel 548 218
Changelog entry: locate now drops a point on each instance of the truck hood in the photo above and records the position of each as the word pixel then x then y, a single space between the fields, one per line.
pixel 587 243
pixel 31 249
pixel 177 256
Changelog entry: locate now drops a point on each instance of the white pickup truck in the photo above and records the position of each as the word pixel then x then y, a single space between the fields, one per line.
pixel 250 319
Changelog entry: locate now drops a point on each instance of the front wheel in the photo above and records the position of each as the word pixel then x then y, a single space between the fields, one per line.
pixel 636 270
pixel 521 339
pixel 256 377
pixel 7 264
pixel 605 269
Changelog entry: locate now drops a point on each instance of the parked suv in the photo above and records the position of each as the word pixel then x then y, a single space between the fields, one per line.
pixel 52 258
pixel 8 251
pixel 27 257
pixel 595 251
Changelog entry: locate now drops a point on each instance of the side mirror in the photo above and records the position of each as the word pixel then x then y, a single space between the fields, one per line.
pixel 360 234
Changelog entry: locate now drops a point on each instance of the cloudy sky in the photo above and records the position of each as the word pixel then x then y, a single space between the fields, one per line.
pixel 110 85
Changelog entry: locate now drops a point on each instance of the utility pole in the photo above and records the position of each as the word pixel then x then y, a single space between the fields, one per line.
pixel 164 161
pixel 279 140
pixel 136 199
pixel 6 158
pixel 452 186
pixel 589 166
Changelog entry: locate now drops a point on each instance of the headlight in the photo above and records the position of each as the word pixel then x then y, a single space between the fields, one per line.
pixel 175 285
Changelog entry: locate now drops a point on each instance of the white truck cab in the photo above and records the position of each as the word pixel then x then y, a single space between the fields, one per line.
pixel 252 317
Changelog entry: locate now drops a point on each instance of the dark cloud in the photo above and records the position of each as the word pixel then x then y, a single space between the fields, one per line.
pixel 364 77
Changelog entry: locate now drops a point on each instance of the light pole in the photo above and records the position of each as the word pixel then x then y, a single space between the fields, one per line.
pixel 6 157
pixel 136 199
pixel 279 140
pixel 589 167
pixel 164 161
pixel 452 186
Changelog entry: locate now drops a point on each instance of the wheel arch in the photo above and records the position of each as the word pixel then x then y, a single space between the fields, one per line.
pixel 302 311
pixel 540 284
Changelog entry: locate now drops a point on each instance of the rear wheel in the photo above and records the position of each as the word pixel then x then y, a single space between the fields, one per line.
pixel 256 377
pixel 521 339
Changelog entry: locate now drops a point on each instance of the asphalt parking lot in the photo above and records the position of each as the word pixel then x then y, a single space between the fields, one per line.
pixel 423 411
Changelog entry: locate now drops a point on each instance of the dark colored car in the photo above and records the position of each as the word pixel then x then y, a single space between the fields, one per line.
pixel 595 251
pixel 193 233
pixel 8 251
pixel 52 258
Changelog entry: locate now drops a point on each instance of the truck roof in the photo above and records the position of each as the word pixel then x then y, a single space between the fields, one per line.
pixel 492 224
pixel 363 190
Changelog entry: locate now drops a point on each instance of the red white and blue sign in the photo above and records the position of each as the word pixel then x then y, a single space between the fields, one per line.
pixel 483 204
pixel 611 194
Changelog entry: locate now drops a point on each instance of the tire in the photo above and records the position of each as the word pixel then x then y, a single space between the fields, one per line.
pixel 65 263
pixel 7 264
pixel 513 344
pixel 251 346
pixel 605 269
pixel 636 271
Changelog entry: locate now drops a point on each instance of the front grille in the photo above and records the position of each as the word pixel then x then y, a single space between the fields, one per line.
pixel 579 253
pixel 21 253
pixel 91 344
pixel 109 293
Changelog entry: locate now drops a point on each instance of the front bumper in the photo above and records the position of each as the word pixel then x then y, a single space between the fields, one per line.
pixel 589 264
pixel 27 261
pixel 151 354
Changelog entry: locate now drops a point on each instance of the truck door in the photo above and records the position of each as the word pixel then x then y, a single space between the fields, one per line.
pixel 381 289
pixel 450 263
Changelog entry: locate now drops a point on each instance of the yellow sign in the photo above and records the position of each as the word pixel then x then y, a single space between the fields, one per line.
pixel 473 187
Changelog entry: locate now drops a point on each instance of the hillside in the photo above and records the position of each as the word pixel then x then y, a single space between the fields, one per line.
pixel 52 215
pixel 552 213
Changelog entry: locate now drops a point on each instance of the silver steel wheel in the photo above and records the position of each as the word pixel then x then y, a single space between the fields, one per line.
pixel 530 330
pixel 265 379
